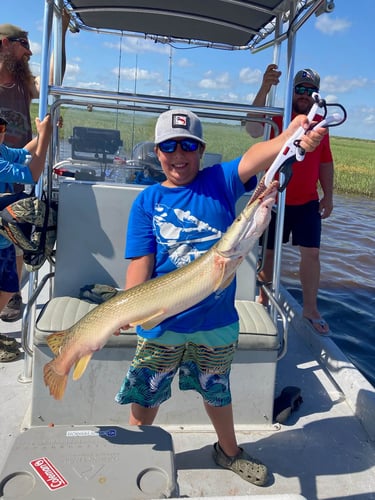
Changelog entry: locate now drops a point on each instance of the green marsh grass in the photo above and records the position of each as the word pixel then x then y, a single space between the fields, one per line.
pixel 354 159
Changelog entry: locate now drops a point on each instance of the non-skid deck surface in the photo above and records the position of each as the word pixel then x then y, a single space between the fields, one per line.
pixel 321 452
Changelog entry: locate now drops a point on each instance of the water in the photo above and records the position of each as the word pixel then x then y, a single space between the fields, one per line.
pixel 347 289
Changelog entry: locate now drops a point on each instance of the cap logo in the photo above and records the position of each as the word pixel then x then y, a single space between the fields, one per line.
pixel 180 121
pixel 307 75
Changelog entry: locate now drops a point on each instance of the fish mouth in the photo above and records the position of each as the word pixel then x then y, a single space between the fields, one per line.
pixel 270 190
pixel 261 191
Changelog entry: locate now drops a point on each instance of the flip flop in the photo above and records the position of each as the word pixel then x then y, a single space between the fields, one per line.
pixel 319 324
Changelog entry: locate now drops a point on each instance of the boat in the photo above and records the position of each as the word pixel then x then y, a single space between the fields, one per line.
pixel 299 405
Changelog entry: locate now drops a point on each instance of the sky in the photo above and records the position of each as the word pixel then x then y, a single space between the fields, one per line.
pixel 339 45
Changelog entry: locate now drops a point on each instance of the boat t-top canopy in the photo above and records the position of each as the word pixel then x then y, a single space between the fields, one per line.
pixel 231 24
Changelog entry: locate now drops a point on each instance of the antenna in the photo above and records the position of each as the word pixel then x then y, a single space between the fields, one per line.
pixel 119 77
pixel 135 90
pixel 170 72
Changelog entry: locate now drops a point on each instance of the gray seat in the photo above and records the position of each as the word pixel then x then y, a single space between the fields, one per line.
pixel 90 249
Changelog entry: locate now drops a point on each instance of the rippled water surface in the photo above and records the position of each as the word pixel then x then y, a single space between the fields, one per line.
pixel 347 288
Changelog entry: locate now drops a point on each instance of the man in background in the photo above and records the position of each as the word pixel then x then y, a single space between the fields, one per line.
pixel 303 208
pixel 18 86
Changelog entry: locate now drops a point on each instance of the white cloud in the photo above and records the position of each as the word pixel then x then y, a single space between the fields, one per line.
pixel 367 113
pixel 211 81
pixel 133 45
pixel 370 119
pixel 360 123
pixel 35 47
pixel 337 84
pixel 232 97
pixel 329 26
pixel 72 70
pixel 139 73
pixel 250 97
pixel 184 63
pixel 249 76
pixel 91 85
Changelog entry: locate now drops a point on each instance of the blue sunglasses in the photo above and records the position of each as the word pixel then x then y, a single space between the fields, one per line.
pixel 187 145
pixel 300 90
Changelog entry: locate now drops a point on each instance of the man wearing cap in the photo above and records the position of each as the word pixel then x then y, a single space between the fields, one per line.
pixel 18 86
pixel 170 225
pixel 303 208
pixel 14 168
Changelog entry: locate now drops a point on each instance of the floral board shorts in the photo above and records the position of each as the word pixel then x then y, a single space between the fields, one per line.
pixel 203 360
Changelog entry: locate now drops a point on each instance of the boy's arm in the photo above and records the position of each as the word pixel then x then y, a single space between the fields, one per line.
pixel 38 146
pixel 260 156
pixel 139 270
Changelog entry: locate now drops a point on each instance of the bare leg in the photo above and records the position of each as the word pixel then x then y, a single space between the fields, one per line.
pixel 12 311
pixel 4 299
pixel 139 415
pixel 310 278
pixel 222 420
pixel 266 275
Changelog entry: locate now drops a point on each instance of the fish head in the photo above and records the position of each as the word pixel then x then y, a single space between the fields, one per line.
pixel 250 224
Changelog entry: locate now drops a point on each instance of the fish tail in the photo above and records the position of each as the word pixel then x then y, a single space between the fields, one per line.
pixel 55 381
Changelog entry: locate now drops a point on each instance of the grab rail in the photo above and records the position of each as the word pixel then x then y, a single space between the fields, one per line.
pixel 25 376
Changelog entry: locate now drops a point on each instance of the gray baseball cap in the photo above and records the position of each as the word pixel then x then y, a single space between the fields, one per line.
pixel 307 75
pixel 178 123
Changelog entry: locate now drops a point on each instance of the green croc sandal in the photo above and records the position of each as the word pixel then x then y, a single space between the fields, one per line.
pixel 250 469
pixel 9 342
pixel 8 354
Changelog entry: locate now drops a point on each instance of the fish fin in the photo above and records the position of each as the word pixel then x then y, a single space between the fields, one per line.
pixel 55 382
pixel 218 284
pixel 81 365
pixel 225 267
pixel 150 321
pixel 227 282
pixel 55 341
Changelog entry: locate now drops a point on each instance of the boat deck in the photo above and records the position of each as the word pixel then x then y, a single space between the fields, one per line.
pixel 321 452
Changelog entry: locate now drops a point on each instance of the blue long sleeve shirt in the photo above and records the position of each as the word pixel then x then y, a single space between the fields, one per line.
pixel 13 170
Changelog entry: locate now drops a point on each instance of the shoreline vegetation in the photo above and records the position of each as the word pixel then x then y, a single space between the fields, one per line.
pixel 354 159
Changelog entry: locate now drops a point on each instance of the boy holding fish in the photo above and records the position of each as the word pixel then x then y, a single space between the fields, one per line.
pixel 170 225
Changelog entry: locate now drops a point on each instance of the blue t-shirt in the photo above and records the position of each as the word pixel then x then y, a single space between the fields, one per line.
pixel 13 170
pixel 180 224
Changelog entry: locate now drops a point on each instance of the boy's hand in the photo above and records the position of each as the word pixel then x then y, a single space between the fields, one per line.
pixel 312 138
pixel 44 127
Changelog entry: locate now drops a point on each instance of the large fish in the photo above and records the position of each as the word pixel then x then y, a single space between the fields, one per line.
pixel 149 303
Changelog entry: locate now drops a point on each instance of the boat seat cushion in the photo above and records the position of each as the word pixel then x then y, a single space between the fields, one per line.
pixel 257 330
